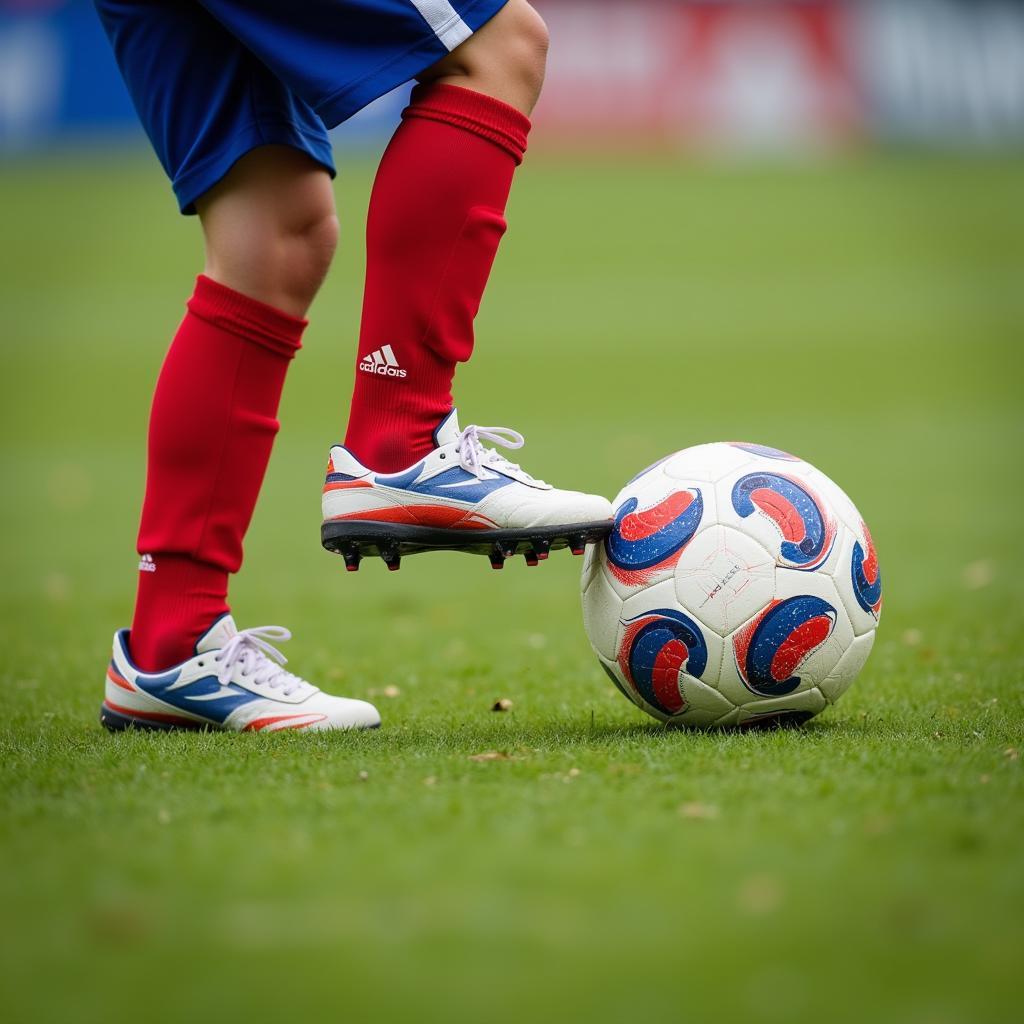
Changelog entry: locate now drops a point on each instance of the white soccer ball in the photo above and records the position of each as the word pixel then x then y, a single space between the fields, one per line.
pixel 739 586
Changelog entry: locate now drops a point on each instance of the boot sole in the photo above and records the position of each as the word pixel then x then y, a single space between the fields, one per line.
pixel 355 541
pixel 113 721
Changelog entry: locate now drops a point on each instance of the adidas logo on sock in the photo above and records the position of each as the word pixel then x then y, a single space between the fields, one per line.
pixel 146 564
pixel 383 363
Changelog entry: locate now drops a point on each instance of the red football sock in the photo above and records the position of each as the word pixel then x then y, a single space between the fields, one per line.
pixel 436 217
pixel 210 433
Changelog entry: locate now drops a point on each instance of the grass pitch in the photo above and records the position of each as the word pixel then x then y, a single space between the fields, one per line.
pixel 591 866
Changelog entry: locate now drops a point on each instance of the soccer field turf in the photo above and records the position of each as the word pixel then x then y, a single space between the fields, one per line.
pixel 868 316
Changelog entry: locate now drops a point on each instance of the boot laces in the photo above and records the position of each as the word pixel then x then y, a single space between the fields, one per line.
pixel 476 459
pixel 259 660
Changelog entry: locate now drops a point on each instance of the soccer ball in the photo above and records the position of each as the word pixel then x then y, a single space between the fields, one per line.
pixel 739 586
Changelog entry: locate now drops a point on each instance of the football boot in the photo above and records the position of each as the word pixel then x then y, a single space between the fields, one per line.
pixel 463 496
pixel 235 681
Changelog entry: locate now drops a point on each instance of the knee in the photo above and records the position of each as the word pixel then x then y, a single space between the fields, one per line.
pixel 524 49
pixel 506 58
pixel 279 256
pixel 271 229
pixel 304 250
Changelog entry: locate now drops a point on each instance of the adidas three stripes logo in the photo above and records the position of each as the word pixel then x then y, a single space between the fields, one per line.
pixel 382 362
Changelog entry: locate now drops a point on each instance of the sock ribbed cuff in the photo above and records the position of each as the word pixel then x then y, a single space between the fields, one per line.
pixel 247 318
pixel 474 112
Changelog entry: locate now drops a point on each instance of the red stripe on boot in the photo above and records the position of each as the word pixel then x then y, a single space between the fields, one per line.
pixel 421 515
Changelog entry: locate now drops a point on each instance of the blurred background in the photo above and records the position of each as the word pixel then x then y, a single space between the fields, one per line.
pixel 795 223
pixel 721 76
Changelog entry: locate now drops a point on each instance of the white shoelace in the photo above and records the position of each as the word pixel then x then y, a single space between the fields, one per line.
pixel 259 659
pixel 476 459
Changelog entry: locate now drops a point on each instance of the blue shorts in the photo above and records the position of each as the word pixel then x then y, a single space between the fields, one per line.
pixel 213 80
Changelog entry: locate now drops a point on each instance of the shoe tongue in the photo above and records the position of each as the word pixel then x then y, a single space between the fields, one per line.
pixel 217 635
pixel 448 430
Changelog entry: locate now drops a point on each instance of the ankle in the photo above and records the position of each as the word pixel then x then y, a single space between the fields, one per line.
pixel 178 598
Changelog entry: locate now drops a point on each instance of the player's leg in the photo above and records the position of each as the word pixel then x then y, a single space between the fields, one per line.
pixel 270 232
pixel 263 192
pixel 437 214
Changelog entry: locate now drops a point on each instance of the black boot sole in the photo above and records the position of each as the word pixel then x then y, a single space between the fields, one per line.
pixel 355 541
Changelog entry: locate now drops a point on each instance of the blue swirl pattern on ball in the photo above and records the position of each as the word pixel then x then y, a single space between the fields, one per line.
pixel 656 647
pixel 643 539
pixel 771 649
pixel 867 577
pixel 806 532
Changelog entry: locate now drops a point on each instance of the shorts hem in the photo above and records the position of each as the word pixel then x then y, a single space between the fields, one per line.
pixel 191 184
pixel 343 103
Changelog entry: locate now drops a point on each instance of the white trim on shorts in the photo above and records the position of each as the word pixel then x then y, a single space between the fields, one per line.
pixel 444 21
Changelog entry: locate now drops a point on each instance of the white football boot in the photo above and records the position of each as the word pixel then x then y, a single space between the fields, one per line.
pixel 235 681
pixel 461 497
